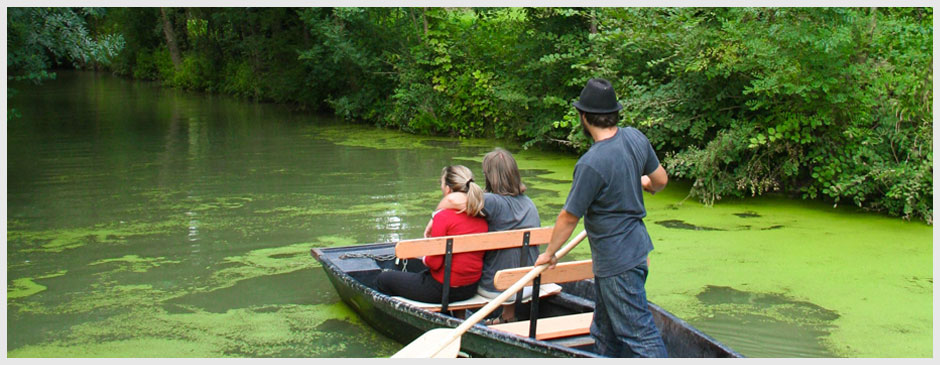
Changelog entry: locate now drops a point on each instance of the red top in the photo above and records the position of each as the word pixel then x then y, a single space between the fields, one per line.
pixel 466 267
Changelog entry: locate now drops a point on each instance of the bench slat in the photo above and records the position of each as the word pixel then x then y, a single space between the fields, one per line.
pixel 410 249
pixel 562 273
pixel 551 327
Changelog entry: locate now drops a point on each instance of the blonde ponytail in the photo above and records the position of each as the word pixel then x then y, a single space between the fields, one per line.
pixel 460 179
pixel 474 199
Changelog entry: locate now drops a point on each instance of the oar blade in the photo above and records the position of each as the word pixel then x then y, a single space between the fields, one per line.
pixel 428 343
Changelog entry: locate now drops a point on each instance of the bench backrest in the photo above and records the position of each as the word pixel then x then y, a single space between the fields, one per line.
pixel 410 249
pixel 562 273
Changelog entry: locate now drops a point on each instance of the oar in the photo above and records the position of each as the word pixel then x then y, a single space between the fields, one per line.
pixel 445 342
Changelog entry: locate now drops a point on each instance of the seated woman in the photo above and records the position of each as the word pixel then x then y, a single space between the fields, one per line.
pixel 427 286
pixel 505 207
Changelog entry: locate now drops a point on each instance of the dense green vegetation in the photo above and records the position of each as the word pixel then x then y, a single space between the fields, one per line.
pixel 823 103
pixel 40 38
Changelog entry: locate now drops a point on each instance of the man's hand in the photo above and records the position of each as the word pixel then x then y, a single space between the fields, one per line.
pixel 645 181
pixel 655 181
pixel 550 259
pixel 564 225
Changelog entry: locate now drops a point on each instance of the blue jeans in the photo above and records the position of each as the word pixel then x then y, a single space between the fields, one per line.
pixel 623 324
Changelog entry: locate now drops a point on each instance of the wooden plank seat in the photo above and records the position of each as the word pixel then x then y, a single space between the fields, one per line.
pixel 450 245
pixel 548 328
pixel 578 324
pixel 477 301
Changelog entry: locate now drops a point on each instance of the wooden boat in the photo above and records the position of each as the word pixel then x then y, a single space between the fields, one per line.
pixel 353 271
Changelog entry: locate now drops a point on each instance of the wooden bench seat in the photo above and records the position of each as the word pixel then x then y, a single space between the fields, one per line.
pixel 552 327
pixel 549 327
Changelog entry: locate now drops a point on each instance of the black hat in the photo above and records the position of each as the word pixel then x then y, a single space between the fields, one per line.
pixel 598 97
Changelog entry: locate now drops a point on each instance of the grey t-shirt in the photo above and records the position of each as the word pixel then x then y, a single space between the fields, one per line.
pixel 607 192
pixel 503 212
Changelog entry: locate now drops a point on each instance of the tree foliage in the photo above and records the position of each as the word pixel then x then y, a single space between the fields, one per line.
pixel 822 103
pixel 39 39
pixel 830 102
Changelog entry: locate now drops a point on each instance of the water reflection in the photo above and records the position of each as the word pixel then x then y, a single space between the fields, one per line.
pixel 391 225
pixel 193 227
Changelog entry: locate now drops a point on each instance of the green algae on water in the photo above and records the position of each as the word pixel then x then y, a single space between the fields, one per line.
pixel 278 331
pixel 99 297
pixel 232 202
pixel 135 263
pixel 272 261
pixel 832 259
pixel 24 287
pixel 59 240
pixel 364 136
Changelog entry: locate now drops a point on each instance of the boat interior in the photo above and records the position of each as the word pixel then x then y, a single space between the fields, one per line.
pixel 563 318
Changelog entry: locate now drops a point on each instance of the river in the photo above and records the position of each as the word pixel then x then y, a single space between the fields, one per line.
pixel 151 222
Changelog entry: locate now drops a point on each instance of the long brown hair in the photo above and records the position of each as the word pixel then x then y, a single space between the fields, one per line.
pixel 460 179
pixel 502 174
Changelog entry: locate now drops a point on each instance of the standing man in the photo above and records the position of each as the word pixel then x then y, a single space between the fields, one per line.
pixel 607 191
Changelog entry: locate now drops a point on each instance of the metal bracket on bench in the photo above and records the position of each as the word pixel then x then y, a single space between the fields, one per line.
pixel 534 309
pixel 523 261
pixel 448 259
pixel 536 288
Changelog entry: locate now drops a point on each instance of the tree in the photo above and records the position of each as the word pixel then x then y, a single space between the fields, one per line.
pixel 170 39
pixel 39 38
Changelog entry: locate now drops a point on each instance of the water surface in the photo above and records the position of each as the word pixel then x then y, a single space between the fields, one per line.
pixel 148 222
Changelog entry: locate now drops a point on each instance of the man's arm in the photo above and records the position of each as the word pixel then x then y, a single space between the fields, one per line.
pixel 564 225
pixel 655 181
pixel 456 201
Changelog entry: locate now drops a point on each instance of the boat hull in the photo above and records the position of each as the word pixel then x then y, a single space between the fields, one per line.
pixel 350 268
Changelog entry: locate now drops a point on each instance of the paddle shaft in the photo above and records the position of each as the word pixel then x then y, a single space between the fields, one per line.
pixel 494 303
